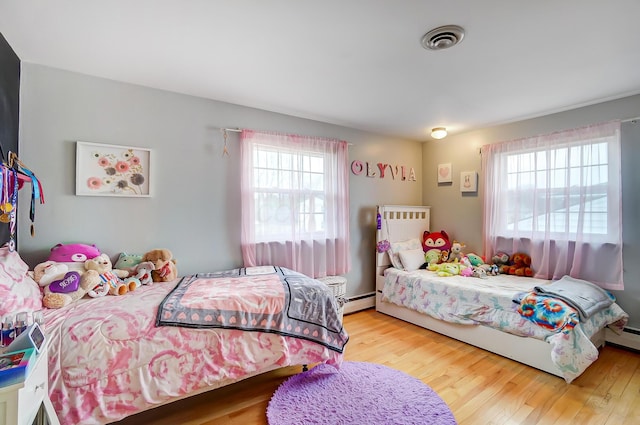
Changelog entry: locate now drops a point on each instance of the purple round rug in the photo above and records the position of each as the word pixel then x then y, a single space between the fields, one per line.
pixel 357 394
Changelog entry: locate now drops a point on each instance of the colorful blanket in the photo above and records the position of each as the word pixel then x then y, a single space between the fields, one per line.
pixel 265 299
pixel 546 311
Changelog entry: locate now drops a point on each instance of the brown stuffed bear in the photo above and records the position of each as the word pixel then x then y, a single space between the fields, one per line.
pixel 520 265
pixel 165 265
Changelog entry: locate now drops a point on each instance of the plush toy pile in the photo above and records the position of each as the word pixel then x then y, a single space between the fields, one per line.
pixel 440 252
pixel 75 270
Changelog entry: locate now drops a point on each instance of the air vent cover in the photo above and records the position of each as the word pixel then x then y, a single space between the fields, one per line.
pixel 443 37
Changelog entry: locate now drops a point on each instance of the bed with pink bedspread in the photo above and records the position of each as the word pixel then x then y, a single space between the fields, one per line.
pixel 108 359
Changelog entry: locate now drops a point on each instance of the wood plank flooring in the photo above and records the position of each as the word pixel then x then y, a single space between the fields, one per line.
pixel 480 387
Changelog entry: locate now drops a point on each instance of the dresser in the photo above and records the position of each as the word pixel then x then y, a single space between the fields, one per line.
pixel 28 402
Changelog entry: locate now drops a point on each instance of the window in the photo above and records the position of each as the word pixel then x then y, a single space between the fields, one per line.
pixel 295 202
pixel 557 198
pixel 289 191
pixel 553 190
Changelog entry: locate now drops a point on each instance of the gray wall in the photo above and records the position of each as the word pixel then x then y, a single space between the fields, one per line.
pixel 194 210
pixel 195 203
pixel 462 215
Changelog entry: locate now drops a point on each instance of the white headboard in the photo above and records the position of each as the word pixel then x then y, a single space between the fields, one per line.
pixel 399 223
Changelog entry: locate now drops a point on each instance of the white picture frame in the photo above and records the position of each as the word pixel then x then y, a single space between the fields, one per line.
pixel 445 173
pixel 468 181
pixel 112 170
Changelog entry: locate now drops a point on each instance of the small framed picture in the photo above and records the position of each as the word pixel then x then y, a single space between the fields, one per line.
pixel 444 173
pixel 112 170
pixel 468 181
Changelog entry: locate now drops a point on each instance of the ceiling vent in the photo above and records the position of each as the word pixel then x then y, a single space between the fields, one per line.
pixel 443 37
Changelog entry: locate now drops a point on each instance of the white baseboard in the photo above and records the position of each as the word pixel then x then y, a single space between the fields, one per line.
pixel 626 339
pixel 361 302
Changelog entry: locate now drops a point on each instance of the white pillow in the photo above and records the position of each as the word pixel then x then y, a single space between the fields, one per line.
pixel 397 247
pixel 412 259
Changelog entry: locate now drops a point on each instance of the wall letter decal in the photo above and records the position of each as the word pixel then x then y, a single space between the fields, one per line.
pixel 357 167
pixel 381 167
pixel 370 172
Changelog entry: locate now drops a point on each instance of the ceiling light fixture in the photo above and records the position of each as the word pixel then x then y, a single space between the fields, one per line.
pixel 439 133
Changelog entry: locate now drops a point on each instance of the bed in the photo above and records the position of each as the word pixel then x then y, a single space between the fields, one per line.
pixel 481 312
pixel 115 356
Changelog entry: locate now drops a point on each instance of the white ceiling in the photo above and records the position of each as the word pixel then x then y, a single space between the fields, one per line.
pixel 357 63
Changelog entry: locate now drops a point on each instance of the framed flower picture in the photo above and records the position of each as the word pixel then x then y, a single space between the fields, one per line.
pixel 112 170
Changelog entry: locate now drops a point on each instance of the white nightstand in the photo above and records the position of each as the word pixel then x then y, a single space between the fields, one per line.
pixel 28 402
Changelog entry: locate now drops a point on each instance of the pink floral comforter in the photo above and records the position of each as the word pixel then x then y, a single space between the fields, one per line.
pixel 108 360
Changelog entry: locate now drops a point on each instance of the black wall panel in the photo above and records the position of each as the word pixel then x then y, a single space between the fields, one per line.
pixel 9 108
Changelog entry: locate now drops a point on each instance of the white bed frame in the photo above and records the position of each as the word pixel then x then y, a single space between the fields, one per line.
pixel 401 222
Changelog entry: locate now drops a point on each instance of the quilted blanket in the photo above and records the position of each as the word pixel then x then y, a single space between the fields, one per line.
pixel 584 296
pixel 265 299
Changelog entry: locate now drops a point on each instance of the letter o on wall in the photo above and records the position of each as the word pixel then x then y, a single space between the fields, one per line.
pixel 357 167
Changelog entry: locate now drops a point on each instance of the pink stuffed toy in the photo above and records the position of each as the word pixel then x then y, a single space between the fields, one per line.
pixel 73 255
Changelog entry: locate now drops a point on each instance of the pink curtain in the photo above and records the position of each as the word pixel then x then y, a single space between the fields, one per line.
pixel 295 202
pixel 558 198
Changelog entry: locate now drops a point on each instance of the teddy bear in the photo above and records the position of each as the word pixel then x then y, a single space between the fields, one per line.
pixel 143 272
pixel 165 265
pixel 62 287
pixel 73 255
pixel 521 265
pixel 113 278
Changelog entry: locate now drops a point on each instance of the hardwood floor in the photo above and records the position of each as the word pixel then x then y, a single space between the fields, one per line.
pixel 480 387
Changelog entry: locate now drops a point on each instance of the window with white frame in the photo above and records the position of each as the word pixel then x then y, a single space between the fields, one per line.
pixel 556 190
pixel 557 198
pixel 289 193
pixel 295 202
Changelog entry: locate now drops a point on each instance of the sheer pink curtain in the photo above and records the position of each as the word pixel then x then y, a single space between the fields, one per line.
pixel 295 202
pixel 558 198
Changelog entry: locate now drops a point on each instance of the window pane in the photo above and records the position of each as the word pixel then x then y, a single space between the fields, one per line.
pixel 546 188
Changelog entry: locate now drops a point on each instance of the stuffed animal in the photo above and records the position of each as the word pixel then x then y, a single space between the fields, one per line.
pixel 62 287
pixel 165 265
pixel 436 246
pixel 73 255
pixel 433 256
pixel 455 253
pixel 143 272
pixel 128 263
pixel 466 271
pixel 479 272
pixel 474 259
pixel 439 240
pixel 521 265
pixel 447 269
pixel 103 267
pixel 502 260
